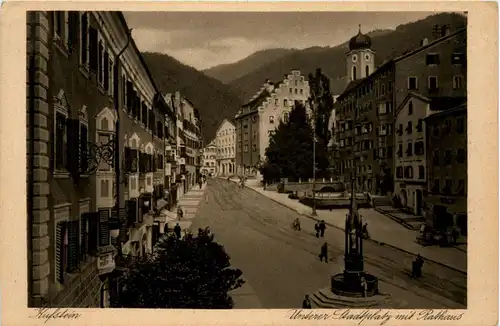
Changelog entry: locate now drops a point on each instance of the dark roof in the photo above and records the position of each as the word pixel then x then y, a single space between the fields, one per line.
pixel 462 108
pixel 446 103
pixel 360 41
pixel 256 102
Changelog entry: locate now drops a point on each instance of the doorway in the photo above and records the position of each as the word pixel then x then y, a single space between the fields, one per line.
pixel 418 202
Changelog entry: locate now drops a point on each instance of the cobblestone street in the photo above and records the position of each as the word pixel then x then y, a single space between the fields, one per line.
pixel 282 265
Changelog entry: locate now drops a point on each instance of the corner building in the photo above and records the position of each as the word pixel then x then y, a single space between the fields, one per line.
pixel 77 90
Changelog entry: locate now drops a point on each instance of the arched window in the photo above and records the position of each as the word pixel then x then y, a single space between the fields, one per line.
pixel 285 102
pixel 367 71
pixel 353 73
pixel 104 124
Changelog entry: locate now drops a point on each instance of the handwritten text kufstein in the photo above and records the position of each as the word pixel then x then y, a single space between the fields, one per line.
pixel 58 313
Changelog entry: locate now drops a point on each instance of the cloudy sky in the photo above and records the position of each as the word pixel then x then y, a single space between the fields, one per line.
pixel 207 39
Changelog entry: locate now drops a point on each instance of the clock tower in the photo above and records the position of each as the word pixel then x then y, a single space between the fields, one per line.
pixel 360 58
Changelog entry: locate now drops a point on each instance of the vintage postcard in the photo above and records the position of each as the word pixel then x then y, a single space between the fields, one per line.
pixel 249 163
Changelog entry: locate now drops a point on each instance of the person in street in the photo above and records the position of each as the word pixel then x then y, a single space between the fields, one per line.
pixel 364 285
pixel 306 304
pixel 296 224
pixel 177 231
pixel 322 227
pixel 200 183
pixel 364 231
pixel 417 266
pixel 324 252
pixel 316 227
pixel 180 213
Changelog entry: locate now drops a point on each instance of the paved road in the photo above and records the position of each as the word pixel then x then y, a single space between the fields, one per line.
pixel 281 265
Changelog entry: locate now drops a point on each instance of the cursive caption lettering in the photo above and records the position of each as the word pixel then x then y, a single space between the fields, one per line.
pixel 57 313
pixel 376 315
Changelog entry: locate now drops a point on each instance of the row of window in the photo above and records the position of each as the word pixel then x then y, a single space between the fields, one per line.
pixel 245 148
pixel 447 188
pixel 225 140
pixel 447 127
pixel 446 158
pixel 406 172
pixel 226 132
pixel 434 59
pixel 417 149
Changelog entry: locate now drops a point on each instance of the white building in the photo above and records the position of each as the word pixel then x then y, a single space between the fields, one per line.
pixel 410 160
pixel 225 142
pixel 209 159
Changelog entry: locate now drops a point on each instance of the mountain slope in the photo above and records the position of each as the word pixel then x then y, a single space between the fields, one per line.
pixel 331 60
pixel 231 71
pixel 214 99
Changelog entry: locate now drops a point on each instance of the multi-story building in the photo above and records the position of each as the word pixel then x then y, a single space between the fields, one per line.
pixel 225 140
pixel 446 198
pixel 366 120
pixel 257 119
pixel 91 103
pixel 189 142
pixel 209 159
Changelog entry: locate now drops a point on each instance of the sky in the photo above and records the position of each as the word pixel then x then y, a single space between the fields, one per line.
pixel 206 39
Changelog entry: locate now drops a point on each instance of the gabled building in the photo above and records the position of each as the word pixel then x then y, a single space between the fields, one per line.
pixel 209 159
pixel 257 119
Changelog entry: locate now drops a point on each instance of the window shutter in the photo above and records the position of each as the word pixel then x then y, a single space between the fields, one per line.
pixel 103 227
pixel 83 235
pixel 106 71
pixel 83 38
pixel 128 159
pixel 93 46
pixel 132 211
pixel 135 159
pixel 83 149
pixel 93 232
pixel 154 163
pixel 73 22
pixel 73 245
pixel 155 234
pixel 60 229
pixel 73 147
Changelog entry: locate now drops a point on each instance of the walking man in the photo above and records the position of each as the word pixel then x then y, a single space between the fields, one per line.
pixel 316 228
pixel 322 227
pixel 324 253
pixel 177 231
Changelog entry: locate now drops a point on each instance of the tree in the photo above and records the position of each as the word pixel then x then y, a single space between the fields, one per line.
pixel 191 273
pixel 270 172
pixel 291 147
pixel 323 103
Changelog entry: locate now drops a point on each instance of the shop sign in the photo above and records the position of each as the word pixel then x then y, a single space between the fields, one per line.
pixel 105 263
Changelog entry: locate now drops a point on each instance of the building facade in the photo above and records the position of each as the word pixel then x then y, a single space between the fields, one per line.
pixel 446 200
pixel 209 159
pixel 257 120
pixel 225 141
pixel 80 208
pixel 189 142
pixel 366 118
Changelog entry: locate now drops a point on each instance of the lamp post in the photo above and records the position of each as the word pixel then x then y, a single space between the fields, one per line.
pixel 314 161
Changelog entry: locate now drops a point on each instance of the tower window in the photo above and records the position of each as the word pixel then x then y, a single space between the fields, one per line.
pixel 353 73
pixel 367 71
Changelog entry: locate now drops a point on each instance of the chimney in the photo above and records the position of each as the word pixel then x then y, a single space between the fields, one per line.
pixel 445 30
pixel 269 86
pixel 424 42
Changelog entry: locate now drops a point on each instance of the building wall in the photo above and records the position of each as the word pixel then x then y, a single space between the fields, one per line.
pixel 209 159
pixel 247 148
pixel 410 168
pixel 277 108
pixel 360 59
pixel 439 142
pixel 225 141
pixel 416 66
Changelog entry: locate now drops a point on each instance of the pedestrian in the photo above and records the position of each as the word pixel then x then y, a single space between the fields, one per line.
pixel 364 285
pixel 177 231
pixel 316 227
pixel 180 213
pixel 322 227
pixel 417 266
pixel 306 304
pixel 324 252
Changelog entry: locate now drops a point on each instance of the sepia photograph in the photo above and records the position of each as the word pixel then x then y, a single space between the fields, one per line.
pixel 247 160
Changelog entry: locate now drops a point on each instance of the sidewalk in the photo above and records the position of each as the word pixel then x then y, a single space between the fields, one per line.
pixel 189 204
pixel 382 231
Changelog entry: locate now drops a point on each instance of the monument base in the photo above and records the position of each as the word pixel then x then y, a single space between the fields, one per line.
pixel 325 298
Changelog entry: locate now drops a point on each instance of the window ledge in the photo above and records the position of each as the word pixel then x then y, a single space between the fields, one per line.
pixel 61 174
pixel 101 89
pixel 85 71
pixel 58 44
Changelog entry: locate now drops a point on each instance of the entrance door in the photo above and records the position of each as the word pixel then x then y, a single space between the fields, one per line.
pixel 418 201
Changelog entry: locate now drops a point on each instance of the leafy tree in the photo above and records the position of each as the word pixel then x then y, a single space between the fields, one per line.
pixel 291 147
pixel 322 101
pixel 270 172
pixel 191 273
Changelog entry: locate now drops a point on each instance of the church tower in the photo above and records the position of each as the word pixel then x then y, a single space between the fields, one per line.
pixel 360 58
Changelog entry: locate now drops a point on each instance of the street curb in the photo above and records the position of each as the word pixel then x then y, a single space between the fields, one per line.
pixel 380 243
pixel 396 219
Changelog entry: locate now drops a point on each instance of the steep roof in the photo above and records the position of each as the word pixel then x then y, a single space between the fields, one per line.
pixel 447 112
pixel 256 102
pixel 222 123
